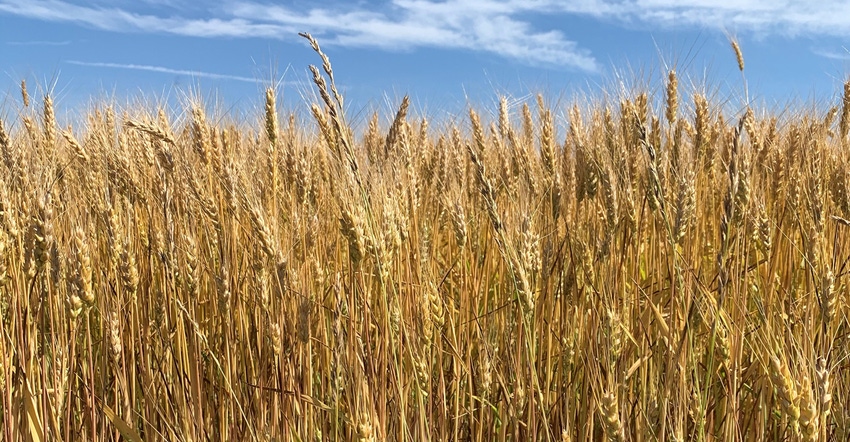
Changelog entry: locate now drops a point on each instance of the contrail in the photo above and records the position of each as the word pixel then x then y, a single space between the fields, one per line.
pixel 163 70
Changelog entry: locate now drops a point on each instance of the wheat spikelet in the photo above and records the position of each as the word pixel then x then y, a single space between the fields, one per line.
pixel 283 276
pixel 4 144
pixel 305 308
pixel 8 218
pixel 547 138
pixel 321 84
pixel 216 147
pixel 844 122
pixel 49 120
pixel 275 337
pixel 326 66
pixel 208 206
pixel 153 130
pixel 423 139
pixel 793 192
pixel 504 118
pixel 672 97
pixel 4 267
pixel 786 390
pixel 112 233
pixel 222 282
pixel 200 135
pixel 614 333
pixel 33 133
pixel 733 202
pixel 742 193
pixel 262 232
pixel 229 183
pixel 724 345
pixel 396 128
pixel 272 128
pixel 750 127
pixel 81 281
pixel 824 390
pixel 809 414
pixel 325 129
pixel 654 191
pixel 437 313
pixel 529 247
pixel 828 118
pixel 75 305
pixel 701 129
pixel 78 149
pixel 527 126
pixel 365 429
pixel 192 276
pixel 685 205
pixel 164 138
pixel 524 290
pixel 352 231
pixel 739 56
pixel 272 150
pixel 609 199
pixel 814 186
pixel 486 189
pixel 25 96
pixel 611 423
pixel 119 172
pixel 115 343
pixel 838 189
pixel 641 107
pixel 128 271
pixel 763 236
pixel 12 157
pixel 41 233
pixel 372 139
pixel 477 131
pixel 413 180
pixel 458 224
pixel 828 297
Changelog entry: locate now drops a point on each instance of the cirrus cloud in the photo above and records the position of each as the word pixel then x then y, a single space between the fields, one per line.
pixel 507 28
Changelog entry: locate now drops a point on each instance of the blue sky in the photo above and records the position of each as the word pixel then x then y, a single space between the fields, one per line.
pixel 443 53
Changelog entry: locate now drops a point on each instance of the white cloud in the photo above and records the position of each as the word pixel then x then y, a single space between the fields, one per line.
pixel 120 20
pixel 478 25
pixel 164 70
pixel 504 27
pixel 783 17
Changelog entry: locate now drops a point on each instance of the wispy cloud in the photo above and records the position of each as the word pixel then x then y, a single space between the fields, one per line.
pixel 831 54
pixel 485 26
pixel 478 25
pixel 163 70
pixel 508 28
pixel 121 20
pixel 778 17
pixel 38 43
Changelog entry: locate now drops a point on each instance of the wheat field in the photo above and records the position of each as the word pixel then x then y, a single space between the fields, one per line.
pixel 648 265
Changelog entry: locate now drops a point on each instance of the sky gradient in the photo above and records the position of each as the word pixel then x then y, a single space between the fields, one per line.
pixel 445 54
